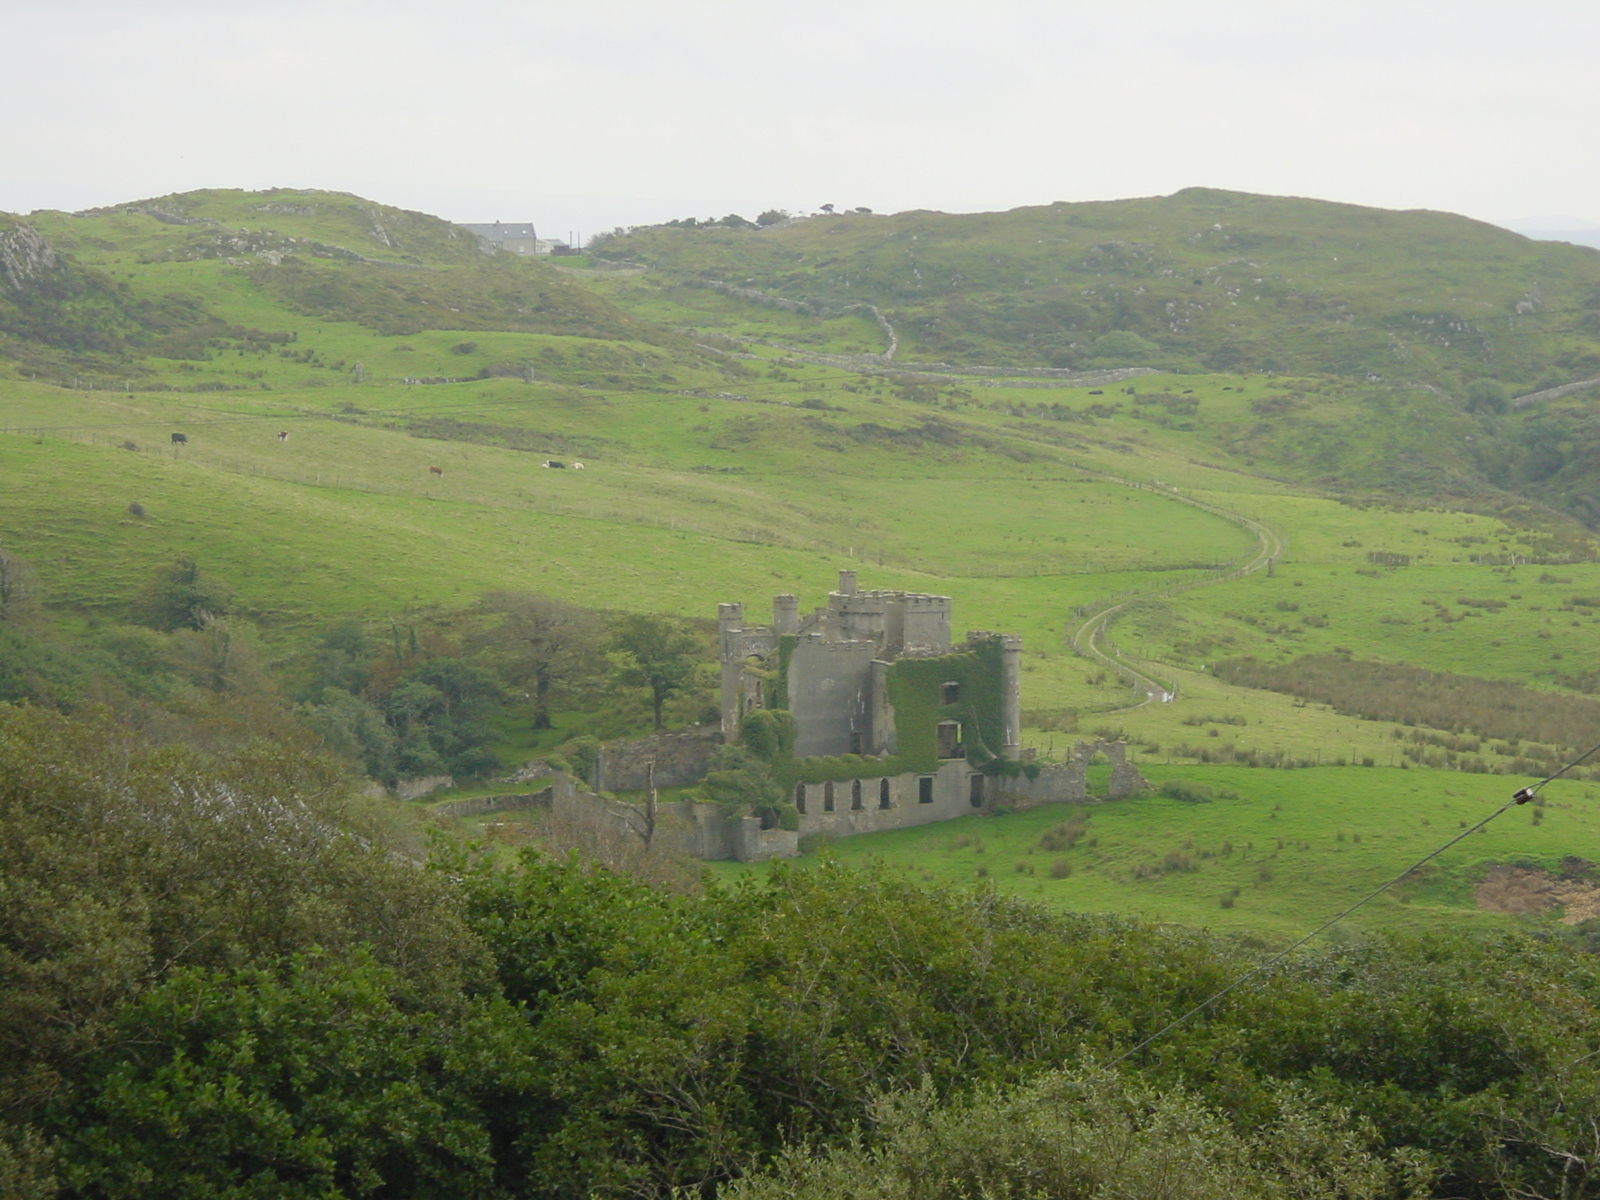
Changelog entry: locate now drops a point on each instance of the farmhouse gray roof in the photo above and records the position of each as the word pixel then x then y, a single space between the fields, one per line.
pixel 499 232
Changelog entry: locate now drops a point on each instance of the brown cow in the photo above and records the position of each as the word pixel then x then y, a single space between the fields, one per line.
pixel 436 471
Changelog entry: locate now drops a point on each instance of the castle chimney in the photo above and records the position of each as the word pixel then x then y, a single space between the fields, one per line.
pixel 847 583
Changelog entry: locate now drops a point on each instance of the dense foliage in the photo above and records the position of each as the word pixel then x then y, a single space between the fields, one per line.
pixel 219 979
pixel 429 698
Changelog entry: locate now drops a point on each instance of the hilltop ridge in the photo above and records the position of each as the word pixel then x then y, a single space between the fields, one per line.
pixel 1202 279
pixel 147 289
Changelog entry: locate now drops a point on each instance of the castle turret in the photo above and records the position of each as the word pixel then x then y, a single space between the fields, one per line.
pixel 925 624
pixel 785 615
pixel 730 622
pixel 730 643
pixel 1011 695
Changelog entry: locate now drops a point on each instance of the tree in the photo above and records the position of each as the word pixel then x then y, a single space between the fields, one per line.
pixel 438 711
pixel 772 217
pixel 655 653
pixel 122 865
pixel 743 784
pixel 541 647
pixel 353 729
pixel 768 733
pixel 181 597
pixel 309 1081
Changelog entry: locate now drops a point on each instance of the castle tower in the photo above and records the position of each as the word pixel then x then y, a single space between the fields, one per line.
pixel 730 645
pixel 858 616
pixel 1011 695
pixel 785 615
pixel 925 624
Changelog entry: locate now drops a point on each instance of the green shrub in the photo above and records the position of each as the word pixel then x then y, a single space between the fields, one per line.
pixel 1085 1134
pixel 583 752
pixel 1187 791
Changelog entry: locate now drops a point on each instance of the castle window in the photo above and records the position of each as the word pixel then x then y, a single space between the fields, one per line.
pixel 925 789
pixel 827 797
pixel 950 693
pixel 800 798
pixel 949 739
pixel 856 742
pixel 855 796
pixel 883 793
pixel 975 790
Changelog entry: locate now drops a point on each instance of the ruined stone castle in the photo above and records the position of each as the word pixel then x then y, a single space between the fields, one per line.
pixel 893 725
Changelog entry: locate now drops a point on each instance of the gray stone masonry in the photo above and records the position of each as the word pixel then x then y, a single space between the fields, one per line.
pixel 680 758
pixel 1066 781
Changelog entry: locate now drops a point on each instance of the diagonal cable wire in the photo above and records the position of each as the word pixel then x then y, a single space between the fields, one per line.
pixel 1521 796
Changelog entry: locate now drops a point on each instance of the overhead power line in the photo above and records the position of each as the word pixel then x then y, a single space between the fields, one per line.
pixel 1521 796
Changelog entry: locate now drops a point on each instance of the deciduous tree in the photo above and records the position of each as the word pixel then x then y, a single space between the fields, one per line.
pixel 655 653
pixel 540 646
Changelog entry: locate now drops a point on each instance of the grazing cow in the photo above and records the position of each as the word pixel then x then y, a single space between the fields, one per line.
pixel 436 471
pixel 179 439
pixel 1097 392
pixel 283 435
pixel 550 462
pixel 577 466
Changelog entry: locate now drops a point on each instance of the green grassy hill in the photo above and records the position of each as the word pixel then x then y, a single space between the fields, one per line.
pixel 724 464
pixel 1223 280
pixel 204 290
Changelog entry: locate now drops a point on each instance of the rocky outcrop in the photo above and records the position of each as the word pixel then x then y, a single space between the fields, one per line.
pixel 25 256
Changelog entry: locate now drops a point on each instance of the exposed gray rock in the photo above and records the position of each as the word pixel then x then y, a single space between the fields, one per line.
pixel 25 256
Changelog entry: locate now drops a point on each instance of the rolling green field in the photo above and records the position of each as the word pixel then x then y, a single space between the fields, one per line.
pixel 720 465
pixel 1289 849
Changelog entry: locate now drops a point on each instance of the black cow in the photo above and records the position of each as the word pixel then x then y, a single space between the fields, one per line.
pixel 553 463
pixel 179 439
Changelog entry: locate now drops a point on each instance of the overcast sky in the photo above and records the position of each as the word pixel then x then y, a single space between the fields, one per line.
pixel 587 114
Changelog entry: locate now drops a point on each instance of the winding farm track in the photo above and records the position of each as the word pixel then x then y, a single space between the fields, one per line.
pixel 1089 636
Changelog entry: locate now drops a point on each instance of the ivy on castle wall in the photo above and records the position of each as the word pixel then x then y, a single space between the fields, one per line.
pixel 914 688
pixel 778 686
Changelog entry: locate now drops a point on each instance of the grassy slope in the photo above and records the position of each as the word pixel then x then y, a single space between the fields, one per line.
pixel 1286 840
pixel 979 492
pixel 1225 278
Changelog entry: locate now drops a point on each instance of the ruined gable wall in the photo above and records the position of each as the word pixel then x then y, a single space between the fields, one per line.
pixel 830 694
